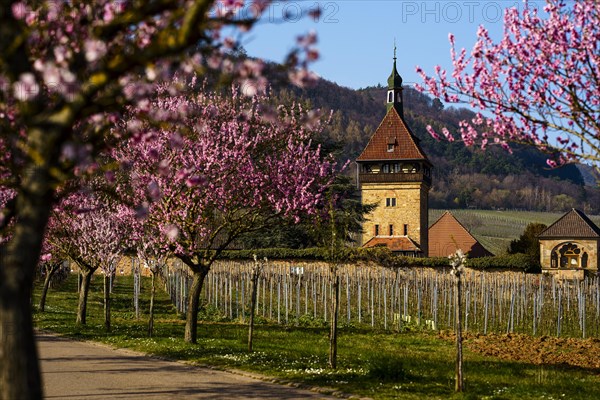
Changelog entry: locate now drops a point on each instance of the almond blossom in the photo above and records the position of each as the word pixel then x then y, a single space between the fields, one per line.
pixel 94 234
pixel 68 71
pixel 230 172
pixel 541 80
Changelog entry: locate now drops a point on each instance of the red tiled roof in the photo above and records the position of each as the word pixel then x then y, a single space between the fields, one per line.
pixel 392 130
pixel 394 243
pixel 447 234
pixel 574 224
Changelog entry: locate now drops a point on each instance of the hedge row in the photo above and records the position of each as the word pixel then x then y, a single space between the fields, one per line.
pixel 522 262
pixel 382 256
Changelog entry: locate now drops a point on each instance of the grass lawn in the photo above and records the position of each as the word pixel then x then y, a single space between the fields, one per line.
pixel 409 365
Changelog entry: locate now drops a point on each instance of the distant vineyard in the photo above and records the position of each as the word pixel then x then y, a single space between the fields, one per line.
pixel 387 299
pixel 495 229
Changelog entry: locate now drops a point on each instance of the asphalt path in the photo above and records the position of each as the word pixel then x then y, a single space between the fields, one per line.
pixel 81 370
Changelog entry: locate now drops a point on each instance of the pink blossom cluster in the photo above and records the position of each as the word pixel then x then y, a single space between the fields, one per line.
pixel 540 84
pixel 6 194
pixel 69 70
pixel 305 54
pixel 223 167
pixel 49 253
pixel 73 40
pixel 6 191
pixel 62 33
pixel 90 230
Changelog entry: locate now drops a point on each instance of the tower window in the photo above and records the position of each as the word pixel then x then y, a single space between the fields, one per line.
pixel 390 96
pixel 391 142
pixel 376 230
pixel 405 229
pixel 391 230
pixel 409 168
pixel 390 202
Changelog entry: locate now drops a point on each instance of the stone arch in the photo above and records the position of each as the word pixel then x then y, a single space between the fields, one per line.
pixel 569 255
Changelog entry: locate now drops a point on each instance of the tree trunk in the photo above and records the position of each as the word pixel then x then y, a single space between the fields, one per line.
pixel 19 369
pixel 255 275
pixel 107 290
pixel 49 273
pixel 86 277
pixel 335 306
pixel 459 360
pixel 191 322
pixel 151 312
pixel 20 374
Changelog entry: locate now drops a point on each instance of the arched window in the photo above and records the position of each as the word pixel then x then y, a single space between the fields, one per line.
pixel 390 96
pixel 570 256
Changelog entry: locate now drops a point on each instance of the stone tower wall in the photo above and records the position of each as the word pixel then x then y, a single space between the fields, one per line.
pixel 424 213
pixel 411 209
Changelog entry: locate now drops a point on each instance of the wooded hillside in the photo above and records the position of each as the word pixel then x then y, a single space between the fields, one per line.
pixel 463 177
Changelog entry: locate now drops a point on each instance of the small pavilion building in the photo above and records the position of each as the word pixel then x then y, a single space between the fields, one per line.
pixel 569 247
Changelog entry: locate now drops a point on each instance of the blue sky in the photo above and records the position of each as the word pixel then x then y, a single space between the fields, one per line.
pixel 356 37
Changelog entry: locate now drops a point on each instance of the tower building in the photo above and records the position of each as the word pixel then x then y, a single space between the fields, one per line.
pixel 394 173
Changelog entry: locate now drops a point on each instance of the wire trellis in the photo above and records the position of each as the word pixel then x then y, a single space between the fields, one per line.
pixel 493 302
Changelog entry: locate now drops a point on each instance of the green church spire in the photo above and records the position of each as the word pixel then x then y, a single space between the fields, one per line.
pixel 394 96
pixel 395 80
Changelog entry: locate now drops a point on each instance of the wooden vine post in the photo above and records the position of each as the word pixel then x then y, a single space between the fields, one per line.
pixel 334 260
pixel 152 295
pixel 155 266
pixel 256 271
pixel 457 262
pixel 335 306
pixel 107 302
pixel 135 269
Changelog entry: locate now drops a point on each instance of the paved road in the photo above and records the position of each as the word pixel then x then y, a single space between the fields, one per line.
pixel 79 370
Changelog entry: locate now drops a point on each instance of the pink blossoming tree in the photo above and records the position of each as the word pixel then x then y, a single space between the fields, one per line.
pixel 95 235
pixel 67 70
pixel 223 167
pixel 539 85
